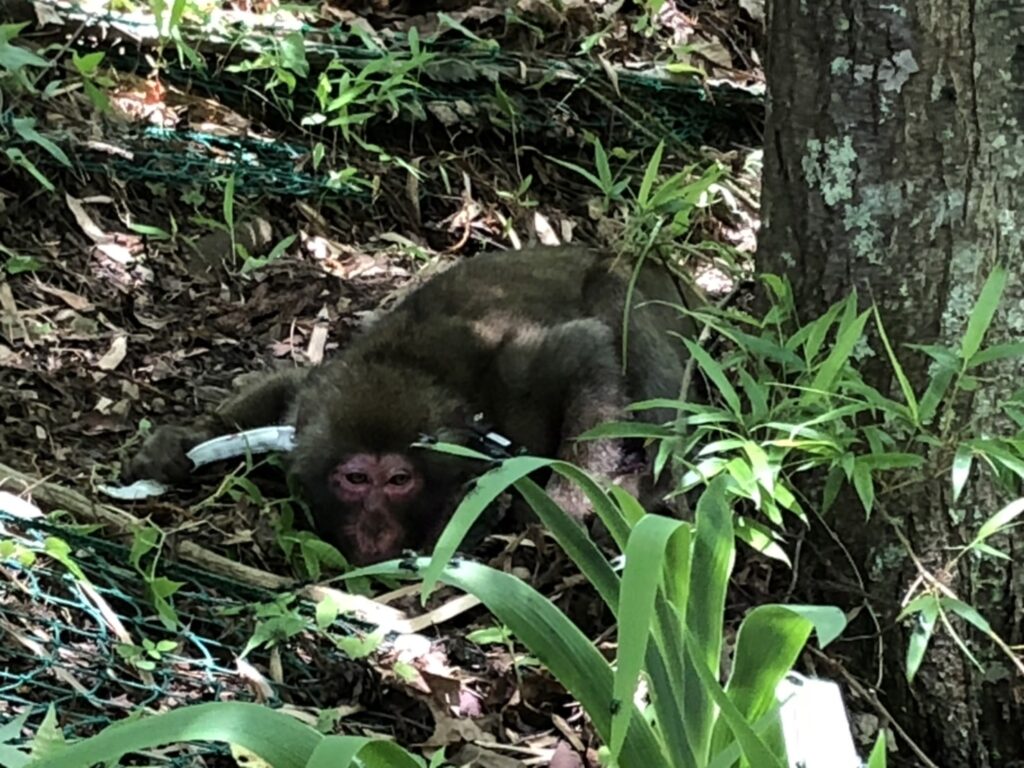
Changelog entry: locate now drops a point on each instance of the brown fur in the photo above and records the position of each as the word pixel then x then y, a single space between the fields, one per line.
pixel 532 340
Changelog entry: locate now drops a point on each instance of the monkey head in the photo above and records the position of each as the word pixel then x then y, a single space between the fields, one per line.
pixel 371 494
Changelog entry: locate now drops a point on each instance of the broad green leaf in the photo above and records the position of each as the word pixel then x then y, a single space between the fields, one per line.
pixel 340 751
pixel 12 758
pixel 721 446
pixel 281 247
pixel 984 310
pixel 578 169
pixel 619 429
pixel 14 58
pixel 278 738
pixel 743 480
pixel 577 544
pixel 678 573
pixel 995 452
pixel 25 127
pixel 759 538
pixel 487 488
pixel 878 754
pixel 864 486
pixel 49 739
pixel 11 730
pixel 990 551
pixel 228 207
pixel 605 509
pixel 761 466
pixel 999 520
pixel 714 551
pixel 748 344
pixel 818 329
pixel 556 642
pixel 631 509
pixel 921 635
pixel 768 644
pixel 666 673
pixel 996 352
pixel 703 472
pixel 848 336
pixel 938 385
pixel 757 396
pixel 782 292
pixel 833 484
pixel 645 559
pixel 753 747
pixel 966 612
pixel 16 156
pixel 650 176
pixel 667 403
pixel 962 462
pixel 944 356
pixel 960 642
pixel 604 171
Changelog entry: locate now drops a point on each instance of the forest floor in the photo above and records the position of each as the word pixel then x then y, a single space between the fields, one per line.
pixel 122 303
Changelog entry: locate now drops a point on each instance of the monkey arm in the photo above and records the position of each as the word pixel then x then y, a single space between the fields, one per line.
pixel 267 401
pixel 576 365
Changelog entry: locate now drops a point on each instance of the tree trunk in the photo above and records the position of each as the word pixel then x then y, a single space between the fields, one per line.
pixel 894 164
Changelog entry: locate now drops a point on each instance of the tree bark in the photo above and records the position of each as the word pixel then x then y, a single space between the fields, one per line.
pixel 894 155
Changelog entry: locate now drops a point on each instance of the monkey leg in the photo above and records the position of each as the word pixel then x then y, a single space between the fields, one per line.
pixel 267 401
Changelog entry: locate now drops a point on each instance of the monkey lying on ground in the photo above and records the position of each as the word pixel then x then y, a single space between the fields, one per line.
pixel 530 339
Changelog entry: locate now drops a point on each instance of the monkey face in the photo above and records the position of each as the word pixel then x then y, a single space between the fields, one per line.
pixel 376 491
pixel 373 506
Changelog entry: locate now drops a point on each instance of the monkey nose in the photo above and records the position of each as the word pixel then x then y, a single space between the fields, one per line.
pixel 376 502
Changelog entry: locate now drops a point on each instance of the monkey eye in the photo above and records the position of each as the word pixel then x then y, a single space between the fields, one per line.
pixel 357 478
pixel 402 478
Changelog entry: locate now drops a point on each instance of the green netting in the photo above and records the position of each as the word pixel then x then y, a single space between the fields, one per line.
pixel 548 102
pixel 59 648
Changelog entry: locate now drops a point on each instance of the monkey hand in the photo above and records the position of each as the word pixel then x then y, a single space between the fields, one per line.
pixel 162 456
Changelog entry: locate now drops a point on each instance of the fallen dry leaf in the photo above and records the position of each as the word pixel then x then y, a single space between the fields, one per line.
pixel 318 338
pixel 95 233
pixel 545 232
pixel 114 356
pixel 73 300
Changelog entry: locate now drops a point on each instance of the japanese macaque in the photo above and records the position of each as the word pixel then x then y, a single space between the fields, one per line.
pixel 532 340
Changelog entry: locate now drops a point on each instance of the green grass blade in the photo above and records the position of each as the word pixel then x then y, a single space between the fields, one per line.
pixel 901 377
